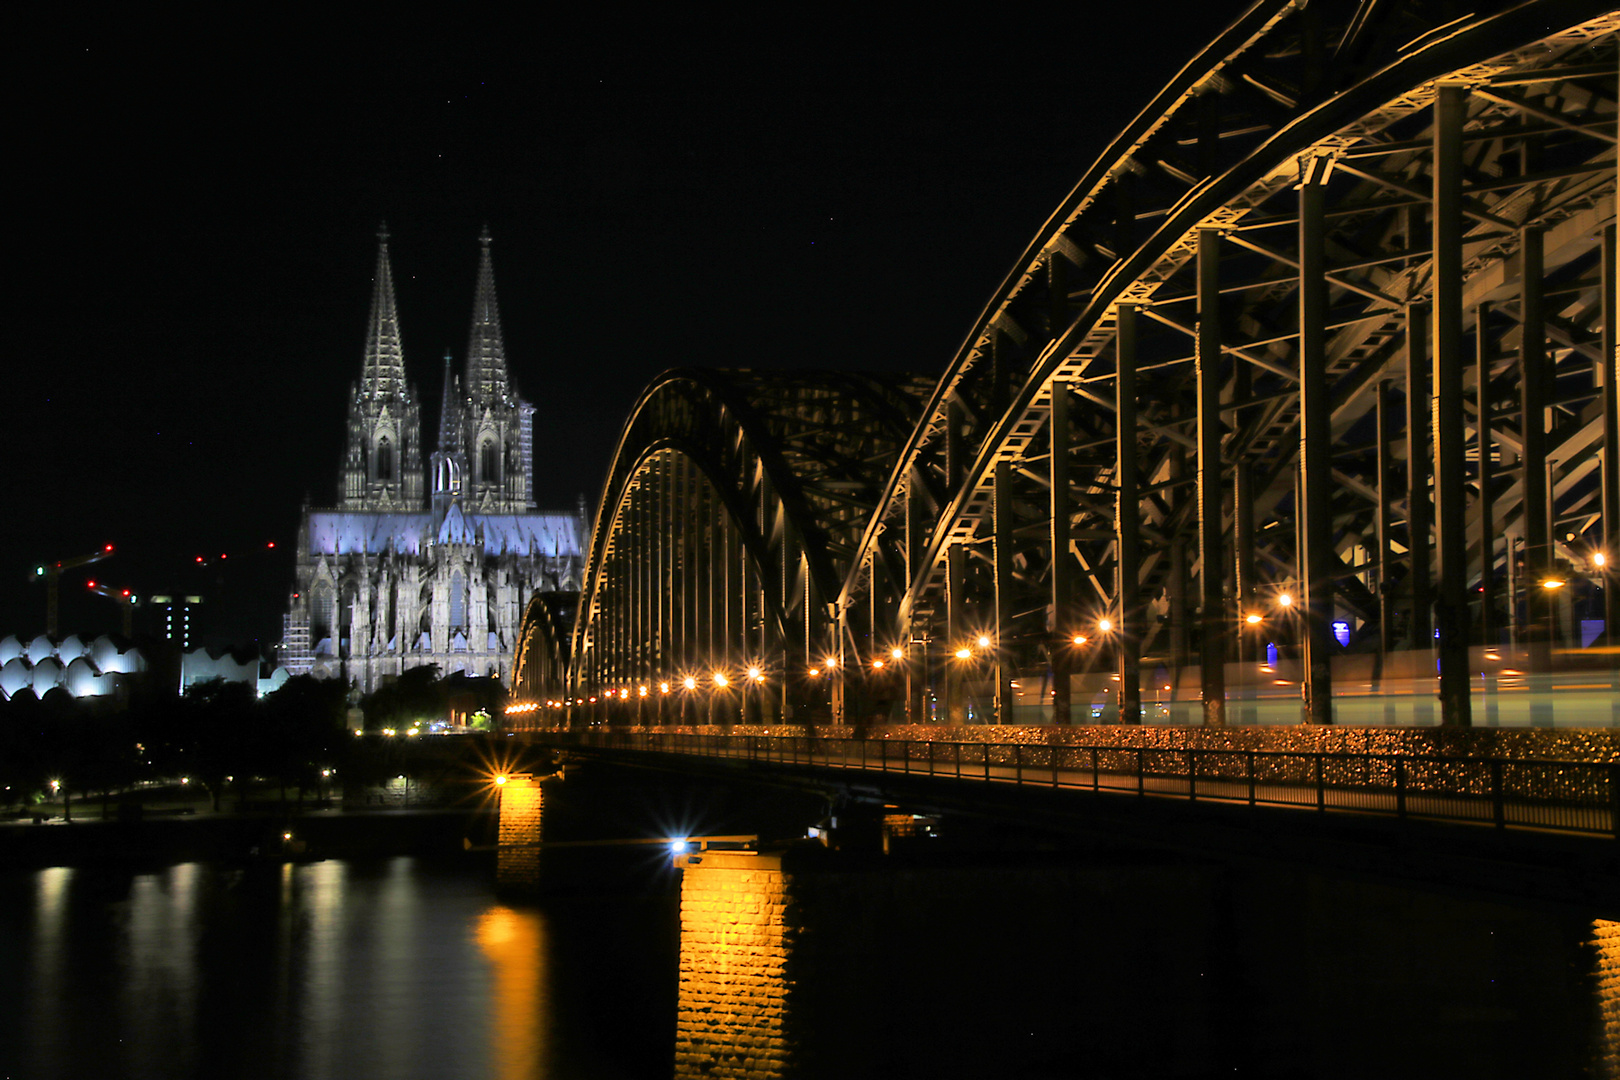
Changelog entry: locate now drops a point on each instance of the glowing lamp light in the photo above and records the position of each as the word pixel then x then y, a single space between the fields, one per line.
pixel 1553 583
pixel 1105 625
pixel 663 688
pixel 815 671
pixel 1599 559
pixel 642 691
pixel 756 674
pixel 963 653
pixel 877 665
pixel 1252 619
pixel 1079 639
pixel 830 662
pixel 984 642
pixel 1284 600
pixel 897 653
pixel 500 781
pixel 678 847
pixel 689 683
pixel 720 679
pixel 286 836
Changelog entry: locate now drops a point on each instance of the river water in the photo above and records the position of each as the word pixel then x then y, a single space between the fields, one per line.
pixel 405 968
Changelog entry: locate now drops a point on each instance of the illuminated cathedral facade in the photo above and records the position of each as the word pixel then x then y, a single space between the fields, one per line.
pixel 428 563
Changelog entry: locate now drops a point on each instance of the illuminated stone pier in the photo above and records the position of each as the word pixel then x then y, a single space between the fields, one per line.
pixel 734 948
pixel 517 863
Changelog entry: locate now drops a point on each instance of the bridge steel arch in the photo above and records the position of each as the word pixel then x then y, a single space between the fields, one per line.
pixel 1282 339
pixel 732 507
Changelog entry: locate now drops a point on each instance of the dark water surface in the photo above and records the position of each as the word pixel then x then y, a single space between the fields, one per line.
pixel 396 968
pixel 405 968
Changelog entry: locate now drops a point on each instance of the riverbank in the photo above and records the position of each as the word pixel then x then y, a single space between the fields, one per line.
pixel 246 837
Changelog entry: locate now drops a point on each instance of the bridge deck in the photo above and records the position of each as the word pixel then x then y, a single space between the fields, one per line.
pixel 1563 796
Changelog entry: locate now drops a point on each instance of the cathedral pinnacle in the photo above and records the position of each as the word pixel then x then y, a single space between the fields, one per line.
pixel 487 382
pixel 383 373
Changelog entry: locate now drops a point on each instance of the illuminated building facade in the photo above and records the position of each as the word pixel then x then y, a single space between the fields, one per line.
pixel 410 568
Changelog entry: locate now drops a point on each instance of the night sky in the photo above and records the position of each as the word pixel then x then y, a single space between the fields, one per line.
pixel 191 254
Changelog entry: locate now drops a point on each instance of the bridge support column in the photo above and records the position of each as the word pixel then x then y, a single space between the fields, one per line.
pixel 1450 470
pixel 1213 623
pixel 1315 454
pixel 955 636
pixel 1001 634
pixel 1486 446
pixel 1611 443
pixel 1536 493
pixel 1060 647
pixel 1127 520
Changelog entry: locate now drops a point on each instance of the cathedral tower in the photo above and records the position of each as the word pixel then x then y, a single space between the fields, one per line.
pixel 486 432
pixel 382 468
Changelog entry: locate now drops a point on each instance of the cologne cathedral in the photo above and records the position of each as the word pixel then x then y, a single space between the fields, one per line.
pixel 430 565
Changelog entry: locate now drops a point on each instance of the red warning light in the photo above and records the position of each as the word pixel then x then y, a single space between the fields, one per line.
pixel 199 558
pixel 107 548
pixel 223 555
pixel 126 592
pixel 89 584
pixel 271 544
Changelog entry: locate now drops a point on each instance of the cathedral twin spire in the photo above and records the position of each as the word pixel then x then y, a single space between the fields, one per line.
pixel 484 430
pixel 383 374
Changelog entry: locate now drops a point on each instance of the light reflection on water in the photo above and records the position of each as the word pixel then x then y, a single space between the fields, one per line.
pixel 406 969
pixel 514 942
pixel 330 969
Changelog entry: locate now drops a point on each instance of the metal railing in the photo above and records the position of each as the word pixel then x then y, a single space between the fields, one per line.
pixel 1566 796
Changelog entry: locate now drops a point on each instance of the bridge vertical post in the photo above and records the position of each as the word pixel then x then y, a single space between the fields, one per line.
pixel 1536 494
pixel 1611 442
pixel 1127 519
pixel 1420 629
pixel 1385 437
pixel 917 668
pixel 1450 470
pixel 1318 557
pixel 1213 621
pixel 955 633
pixel 1003 566
pixel 1059 647
pixel 1486 445
pixel 1177 586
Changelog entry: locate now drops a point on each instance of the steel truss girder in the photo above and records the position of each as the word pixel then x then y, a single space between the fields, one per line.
pixel 1054 318
pixel 782 468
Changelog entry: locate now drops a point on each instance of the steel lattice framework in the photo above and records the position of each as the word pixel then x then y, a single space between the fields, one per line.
pixel 1333 317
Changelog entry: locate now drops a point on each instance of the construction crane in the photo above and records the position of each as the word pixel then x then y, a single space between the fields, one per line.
pixel 123 597
pixel 51 573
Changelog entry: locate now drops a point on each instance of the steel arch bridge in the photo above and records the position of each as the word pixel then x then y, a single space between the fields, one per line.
pixel 1331 322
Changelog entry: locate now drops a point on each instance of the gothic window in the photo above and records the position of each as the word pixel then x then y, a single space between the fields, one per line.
pixel 511 461
pixel 458 601
pixel 486 462
pixel 322 604
pixel 385 460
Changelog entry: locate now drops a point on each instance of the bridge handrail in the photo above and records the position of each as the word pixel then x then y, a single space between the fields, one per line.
pixel 1528 793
